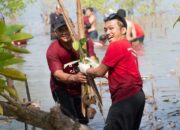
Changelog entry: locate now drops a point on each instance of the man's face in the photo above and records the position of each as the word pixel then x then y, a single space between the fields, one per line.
pixel 113 31
pixel 88 12
pixel 58 10
pixel 63 34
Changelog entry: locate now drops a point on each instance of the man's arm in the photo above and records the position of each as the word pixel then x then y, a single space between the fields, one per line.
pixel 131 32
pixel 99 71
pixel 65 77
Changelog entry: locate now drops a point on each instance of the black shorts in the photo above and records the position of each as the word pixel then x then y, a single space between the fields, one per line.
pixel 126 114
pixel 138 39
pixel 70 105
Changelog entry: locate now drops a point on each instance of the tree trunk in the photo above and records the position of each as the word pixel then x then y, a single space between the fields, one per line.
pixel 53 120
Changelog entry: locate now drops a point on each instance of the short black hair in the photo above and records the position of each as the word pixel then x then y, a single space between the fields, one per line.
pixel 121 12
pixel 84 11
pixel 118 17
pixel 90 8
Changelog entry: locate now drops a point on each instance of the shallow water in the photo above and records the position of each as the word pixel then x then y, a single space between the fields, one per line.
pixel 160 60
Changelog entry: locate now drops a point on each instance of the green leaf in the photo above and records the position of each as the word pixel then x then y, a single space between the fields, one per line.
pixel 12 29
pixel 16 49
pixel 83 41
pixel 76 45
pixel 1 110
pixel 11 62
pixel 11 91
pixel 13 73
pixel 2 85
pixel 84 50
pixel 4 38
pixel 178 20
pixel 20 36
pixel 5 56
pixel 2 27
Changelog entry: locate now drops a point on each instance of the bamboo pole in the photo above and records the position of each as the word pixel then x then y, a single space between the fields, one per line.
pixel 68 21
pixel 85 90
pixel 80 21
pixel 75 37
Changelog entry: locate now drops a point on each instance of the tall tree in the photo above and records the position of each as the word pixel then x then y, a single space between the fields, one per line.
pixel 101 5
pixel 13 7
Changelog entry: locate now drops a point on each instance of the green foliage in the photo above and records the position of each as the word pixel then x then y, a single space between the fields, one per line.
pixel 178 20
pixel 128 5
pixel 80 45
pixel 12 73
pixel 9 34
pixel 5 56
pixel 1 110
pixel 101 5
pixel 20 36
pixel 11 61
pixel 148 7
pixel 11 92
pixel 16 49
pixel 13 7
pixel 83 42
pixel 75 45
pixel 13 28
pixel 176 6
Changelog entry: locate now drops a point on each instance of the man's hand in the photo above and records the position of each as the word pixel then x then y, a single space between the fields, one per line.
pixel 79 77
pixel 83 67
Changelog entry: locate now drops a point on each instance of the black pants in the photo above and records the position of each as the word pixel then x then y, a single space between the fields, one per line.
pixel 70 105
pixel 93 35
pixel 126 114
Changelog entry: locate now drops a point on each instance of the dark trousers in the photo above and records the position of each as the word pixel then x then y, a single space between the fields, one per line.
pixel 70 105
pixel 93 35
pixel 126 114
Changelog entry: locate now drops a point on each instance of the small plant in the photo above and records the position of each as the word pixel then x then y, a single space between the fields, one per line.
pixel 178 20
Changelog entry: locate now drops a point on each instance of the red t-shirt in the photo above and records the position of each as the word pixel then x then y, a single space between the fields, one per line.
pixel 139 30
pixel 57 57
pixel 124 77
pixel 90 47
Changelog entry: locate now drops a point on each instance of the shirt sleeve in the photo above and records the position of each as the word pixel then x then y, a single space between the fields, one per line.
pixel 54 62
pixel 113 55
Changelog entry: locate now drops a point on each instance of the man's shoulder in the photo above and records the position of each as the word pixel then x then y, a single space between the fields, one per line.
pixel 53 44
pixel 52 13
pixel 129 23
pixel 53 48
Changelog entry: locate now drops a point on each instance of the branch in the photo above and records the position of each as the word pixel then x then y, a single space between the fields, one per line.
pixel 53 120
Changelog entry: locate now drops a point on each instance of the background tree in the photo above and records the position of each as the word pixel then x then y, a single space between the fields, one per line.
pixel 101 5
pixel 128 5
pixel 13 7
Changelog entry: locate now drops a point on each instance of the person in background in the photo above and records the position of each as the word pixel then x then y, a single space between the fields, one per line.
pixel 135 32
pixel 53 18
pixel 90 43
pixel 87 24
pixel 139 33
pixel 92 32
pixel 121 64
pixel 2 17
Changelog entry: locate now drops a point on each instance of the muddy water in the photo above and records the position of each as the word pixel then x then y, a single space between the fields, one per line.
pixel 159 65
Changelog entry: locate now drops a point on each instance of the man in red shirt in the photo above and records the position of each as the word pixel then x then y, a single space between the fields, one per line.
pixel 125 83
pixel 66 79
